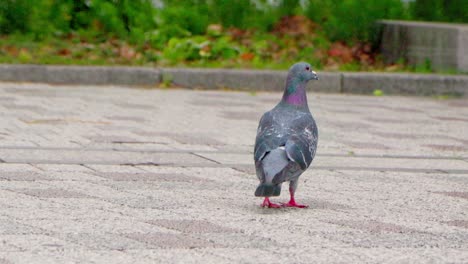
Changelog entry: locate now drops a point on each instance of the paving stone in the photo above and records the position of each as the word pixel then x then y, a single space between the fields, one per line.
pixel 95 225
pixel 21 168
pixel 117 175
pixel 127 118
pixel 192 226
pixel 374 226
pixel 446 147
pixel 135 106
pixel 35 242
pixel 51 193
pixel 463 195
pixel 164 240
pixel 22 176
pixel 192 139
pixel 63 168
pixel 13 227
pixel 458 223
pixel 5 261
pixel 106 241
pixel 241 116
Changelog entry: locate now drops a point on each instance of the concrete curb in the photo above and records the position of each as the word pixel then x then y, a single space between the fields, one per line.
pixel 261 80
pixel 97 75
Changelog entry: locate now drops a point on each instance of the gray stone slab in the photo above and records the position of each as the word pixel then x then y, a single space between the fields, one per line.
pixel 134 76
pixel 51 193
pixel 121 176
pixel 244 79
pixel 443 45
pixel 219 78
pixel 36 242
pixel 98 157
pixel 13 227
pixel 192 226
pixel 374 226
pixel 77 75
pixel 5 261
pixel 22 176
pixel 23 73
pixel 257 80
pixel 463 195
pixel 405 84
pixel 102 75
pixel 329 82
pixel 165 240
pixel 107 241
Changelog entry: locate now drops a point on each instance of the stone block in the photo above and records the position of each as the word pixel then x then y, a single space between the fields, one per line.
pixel 443 45
pixel 102 75
pixel 329 82
pixel 133 76
pixel 77 75
pixel 22 73
pixel 256 80
pixel 405 84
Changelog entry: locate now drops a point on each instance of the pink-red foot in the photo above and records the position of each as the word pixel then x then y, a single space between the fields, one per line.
pixel 293 203
pixel 269 204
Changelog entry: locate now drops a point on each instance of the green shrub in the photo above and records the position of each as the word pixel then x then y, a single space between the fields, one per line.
pixel 351 20
pixel 15 16
pixel 42 18
pixel 440 10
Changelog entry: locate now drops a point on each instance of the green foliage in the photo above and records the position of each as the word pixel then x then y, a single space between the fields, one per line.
pixel 440 10
pixel 353 20
pixel 195 15
pixel 15 16
pixel 185 49
pixel 425 67
pixel 232 33
pixel 199 47
pixel 42 18
pixel 224 48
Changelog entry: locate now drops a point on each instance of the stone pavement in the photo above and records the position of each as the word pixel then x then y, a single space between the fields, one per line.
pixel 118 175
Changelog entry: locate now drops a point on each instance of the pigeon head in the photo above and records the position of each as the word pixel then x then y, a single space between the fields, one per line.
pixel 302 72
pixel 298 76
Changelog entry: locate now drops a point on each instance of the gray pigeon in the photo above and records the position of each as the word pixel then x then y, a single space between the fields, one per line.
pixel 286 139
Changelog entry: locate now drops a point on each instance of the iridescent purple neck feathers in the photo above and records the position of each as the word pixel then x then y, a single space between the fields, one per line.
pixel 295 92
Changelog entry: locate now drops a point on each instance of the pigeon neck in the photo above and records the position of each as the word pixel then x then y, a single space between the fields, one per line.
pixel 295 93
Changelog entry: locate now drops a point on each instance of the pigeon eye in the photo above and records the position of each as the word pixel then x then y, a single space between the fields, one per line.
pixel 307 68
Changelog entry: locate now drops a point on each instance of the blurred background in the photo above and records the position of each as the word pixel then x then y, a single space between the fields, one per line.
pixel 331 34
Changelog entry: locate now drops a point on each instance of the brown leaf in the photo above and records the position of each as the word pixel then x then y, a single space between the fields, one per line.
pixel 247 56
pixel 127 52
pixel 64 52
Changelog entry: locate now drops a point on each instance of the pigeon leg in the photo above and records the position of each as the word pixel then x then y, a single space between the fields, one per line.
pixel 292 201
pixel 267 203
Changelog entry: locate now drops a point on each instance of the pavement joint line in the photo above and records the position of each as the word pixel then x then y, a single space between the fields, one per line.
pixel 88 167
pixel 220 165
pixel 203 157
pixel 194 152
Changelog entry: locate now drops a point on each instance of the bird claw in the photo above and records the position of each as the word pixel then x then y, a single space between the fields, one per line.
pixel 269 204
pixel 272 205
pixel 294 204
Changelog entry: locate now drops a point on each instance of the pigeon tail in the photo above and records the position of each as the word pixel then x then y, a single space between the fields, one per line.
pixel 268 190
pixel 273 163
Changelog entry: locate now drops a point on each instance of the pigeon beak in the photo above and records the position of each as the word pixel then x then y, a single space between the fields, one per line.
pixel 315 75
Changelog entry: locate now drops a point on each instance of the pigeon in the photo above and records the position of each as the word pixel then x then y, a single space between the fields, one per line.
pixel 286 139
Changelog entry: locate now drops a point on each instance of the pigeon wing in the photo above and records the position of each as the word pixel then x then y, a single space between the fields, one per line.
pixel 269 137
pixel 302 143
